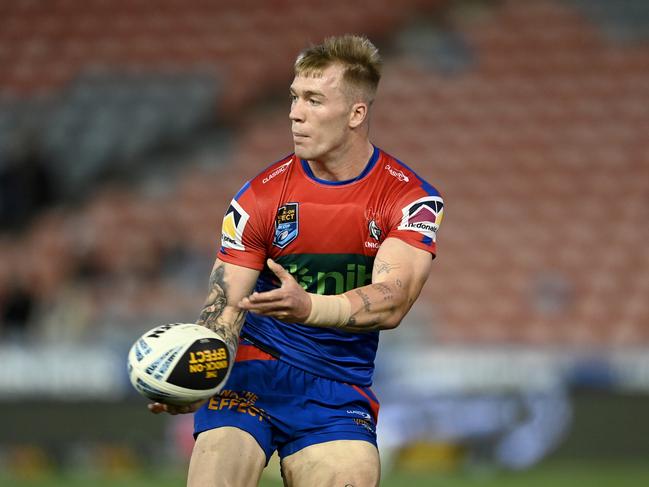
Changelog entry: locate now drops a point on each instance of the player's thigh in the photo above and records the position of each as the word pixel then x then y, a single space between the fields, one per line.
pixel 225 456
pixel 334 463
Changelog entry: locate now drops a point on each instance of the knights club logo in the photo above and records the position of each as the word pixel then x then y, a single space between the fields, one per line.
pixel 286 225
pixel 375 231
pixel 423 216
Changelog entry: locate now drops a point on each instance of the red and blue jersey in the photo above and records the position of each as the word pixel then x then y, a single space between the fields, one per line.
pixel 326 234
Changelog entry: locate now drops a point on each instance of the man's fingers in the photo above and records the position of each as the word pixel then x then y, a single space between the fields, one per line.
pixel 158 407
pixel 278 270
pixel 264 307
pixel 250 303
pixel 267 297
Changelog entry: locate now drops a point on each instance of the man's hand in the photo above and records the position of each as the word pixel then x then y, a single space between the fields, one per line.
pixel 288 303
pixel 158 407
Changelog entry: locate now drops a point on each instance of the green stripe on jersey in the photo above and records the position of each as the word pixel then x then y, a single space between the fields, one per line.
pixel 329 273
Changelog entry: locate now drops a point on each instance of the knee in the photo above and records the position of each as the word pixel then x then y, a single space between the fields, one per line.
pixel 332 472
pixel 364 474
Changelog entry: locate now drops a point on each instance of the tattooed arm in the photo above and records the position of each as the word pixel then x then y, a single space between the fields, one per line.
pixel 398 276
pixel 228 284
pixel 399 273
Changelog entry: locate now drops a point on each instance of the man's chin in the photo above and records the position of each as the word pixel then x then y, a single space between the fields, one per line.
pixel 301 153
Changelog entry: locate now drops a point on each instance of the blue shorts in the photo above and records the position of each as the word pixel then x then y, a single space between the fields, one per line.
pixel 285 408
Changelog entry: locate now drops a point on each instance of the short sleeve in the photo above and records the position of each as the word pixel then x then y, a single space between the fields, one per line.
pixel 242 236
pixel 416 217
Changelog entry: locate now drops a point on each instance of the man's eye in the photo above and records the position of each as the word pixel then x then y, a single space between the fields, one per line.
pixel 313 101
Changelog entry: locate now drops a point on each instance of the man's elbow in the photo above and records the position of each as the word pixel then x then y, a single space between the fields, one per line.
pixel 398 311
pixel 393 320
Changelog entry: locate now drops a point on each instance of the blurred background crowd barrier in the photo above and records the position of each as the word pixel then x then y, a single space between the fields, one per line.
pixel 126 126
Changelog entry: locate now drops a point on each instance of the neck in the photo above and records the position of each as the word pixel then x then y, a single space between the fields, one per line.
pixel 346 164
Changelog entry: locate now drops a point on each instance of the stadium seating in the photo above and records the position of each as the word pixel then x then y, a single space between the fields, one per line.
pixel 539 147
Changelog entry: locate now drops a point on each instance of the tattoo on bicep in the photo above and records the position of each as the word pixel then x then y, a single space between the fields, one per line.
pixel 383 267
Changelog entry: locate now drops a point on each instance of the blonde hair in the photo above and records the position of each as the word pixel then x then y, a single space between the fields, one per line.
pixel 358 56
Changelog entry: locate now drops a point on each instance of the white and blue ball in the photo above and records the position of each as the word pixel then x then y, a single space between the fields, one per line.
pixel 179 364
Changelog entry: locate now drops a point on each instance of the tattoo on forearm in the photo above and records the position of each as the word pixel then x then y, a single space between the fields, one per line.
pixel 213 309
pixel 383 289
pixel 216 299
pixel 365 298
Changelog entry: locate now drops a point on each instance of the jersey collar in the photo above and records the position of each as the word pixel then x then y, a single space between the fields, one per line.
pixel 368 167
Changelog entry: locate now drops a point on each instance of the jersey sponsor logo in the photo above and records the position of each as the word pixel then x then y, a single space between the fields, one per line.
pixel 397 173
pixel 286 225
pixel 423 216
pixel 332 282
pixel 234 223
pixel 276 172
pixel 329 273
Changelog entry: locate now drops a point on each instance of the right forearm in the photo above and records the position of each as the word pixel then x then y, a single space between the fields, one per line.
pixel 218 314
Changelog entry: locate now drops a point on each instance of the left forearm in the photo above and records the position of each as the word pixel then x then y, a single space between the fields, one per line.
pixel 378 306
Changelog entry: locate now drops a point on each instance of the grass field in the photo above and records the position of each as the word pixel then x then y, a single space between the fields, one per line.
pixel 549 475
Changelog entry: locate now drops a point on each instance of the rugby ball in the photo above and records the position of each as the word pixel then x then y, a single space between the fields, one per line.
pixel 178 363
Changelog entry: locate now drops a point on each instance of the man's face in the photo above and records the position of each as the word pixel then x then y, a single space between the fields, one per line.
pixel 320 111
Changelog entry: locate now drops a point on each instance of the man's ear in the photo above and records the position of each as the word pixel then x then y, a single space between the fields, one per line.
pixel 358 114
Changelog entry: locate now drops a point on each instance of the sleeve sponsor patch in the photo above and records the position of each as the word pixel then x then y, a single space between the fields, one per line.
pixel 423 216
pixel 234 223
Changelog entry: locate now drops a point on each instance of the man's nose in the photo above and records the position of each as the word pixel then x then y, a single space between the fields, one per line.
pixel 296 114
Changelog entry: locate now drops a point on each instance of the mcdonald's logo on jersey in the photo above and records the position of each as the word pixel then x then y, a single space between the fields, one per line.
pixel 234 223
pixel 423 216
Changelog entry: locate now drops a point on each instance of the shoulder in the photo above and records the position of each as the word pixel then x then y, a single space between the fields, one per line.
pixel 416 206
pixel 272 174
pixel 264 182
pixel 403 179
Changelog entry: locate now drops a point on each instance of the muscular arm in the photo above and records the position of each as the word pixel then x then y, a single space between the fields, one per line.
pixel 398 275
pixel 229 283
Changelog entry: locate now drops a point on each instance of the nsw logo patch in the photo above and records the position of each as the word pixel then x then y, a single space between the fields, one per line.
pixel 286 225
pixel 234 223
pixel 423 216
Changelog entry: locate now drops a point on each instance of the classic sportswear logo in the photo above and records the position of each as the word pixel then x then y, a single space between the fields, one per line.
pixel 276 172
pixel 423 216
pixel 397 173
pixel 362 414
pixel 234 223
